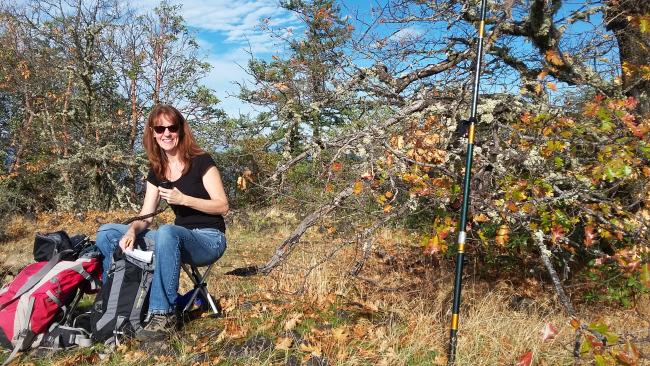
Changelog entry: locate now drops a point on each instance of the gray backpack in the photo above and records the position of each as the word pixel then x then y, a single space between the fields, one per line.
pixel 121 305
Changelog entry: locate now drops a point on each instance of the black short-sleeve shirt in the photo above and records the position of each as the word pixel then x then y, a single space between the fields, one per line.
pixel 191 184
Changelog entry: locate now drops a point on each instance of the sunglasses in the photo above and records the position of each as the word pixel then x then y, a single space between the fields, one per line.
pixel 171 128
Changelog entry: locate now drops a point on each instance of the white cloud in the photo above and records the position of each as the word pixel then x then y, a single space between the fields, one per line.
pixel 235 24
pixel 226 71
pixel 406 33
pixel 236 21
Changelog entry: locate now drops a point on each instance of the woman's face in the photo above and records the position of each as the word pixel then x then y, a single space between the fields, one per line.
pixel 166 133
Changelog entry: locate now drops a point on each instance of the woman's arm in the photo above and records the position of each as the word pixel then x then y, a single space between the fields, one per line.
pixel 151 199
pixel 216 205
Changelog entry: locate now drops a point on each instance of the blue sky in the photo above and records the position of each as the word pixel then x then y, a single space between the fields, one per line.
pixel 228 31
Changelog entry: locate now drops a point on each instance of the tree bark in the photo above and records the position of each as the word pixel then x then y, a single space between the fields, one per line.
pixel 633 47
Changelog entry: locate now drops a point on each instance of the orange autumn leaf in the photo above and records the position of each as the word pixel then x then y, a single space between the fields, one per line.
pixel 575 323
pixel 557 232
pixel 480 218
pixel 554 58
pixel 590 235
pixel 502 235
pixel 525 360
pixel 629 355
pixel 434 246
pixel 631 102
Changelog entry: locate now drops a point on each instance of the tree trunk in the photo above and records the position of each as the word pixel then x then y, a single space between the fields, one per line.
pixel 634 47
pixel 134 113
pixel 24 137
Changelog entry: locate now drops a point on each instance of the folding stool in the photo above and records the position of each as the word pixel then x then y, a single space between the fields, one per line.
pixel 200 287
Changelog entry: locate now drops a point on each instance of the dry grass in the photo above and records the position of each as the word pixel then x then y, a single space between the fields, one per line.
pixel 396 312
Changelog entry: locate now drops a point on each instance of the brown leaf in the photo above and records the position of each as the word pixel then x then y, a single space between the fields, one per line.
pixel 312 348
pixel 629 356
pixel 480 218
pixel 283 343
pixel 340 334
pixel 589 235
pixel 502 235
pixel 294 319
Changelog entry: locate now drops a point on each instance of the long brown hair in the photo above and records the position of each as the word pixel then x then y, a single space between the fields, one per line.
pixel 187 146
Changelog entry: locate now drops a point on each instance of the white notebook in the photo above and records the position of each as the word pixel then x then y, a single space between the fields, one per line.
pixel 141 255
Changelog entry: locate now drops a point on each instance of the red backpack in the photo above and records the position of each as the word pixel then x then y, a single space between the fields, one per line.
pixel 39 293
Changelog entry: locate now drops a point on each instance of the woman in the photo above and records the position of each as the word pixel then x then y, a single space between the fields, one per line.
pixel 195 193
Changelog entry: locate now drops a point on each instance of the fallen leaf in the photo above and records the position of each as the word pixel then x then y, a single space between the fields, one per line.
pixel 294 319
pixel 480 218
pixel 358 187
pixel 502 235
pixel 340 334
pixel 548 332
pixel 525 360
pixel 241 183
pixel 629 356
pixel 367 175
pixel 312 348
pixel 283 343
pixel 575 323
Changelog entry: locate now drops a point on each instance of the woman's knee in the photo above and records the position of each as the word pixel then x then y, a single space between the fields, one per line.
pixel 167 238
pixel 107 237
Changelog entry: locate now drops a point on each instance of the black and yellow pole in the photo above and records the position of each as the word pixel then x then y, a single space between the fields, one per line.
pixel 451 360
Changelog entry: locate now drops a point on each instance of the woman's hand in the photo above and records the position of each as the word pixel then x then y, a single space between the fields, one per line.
pixel 173 196
pixel 128 241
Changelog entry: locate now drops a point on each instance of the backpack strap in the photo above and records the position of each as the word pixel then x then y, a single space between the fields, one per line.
pixel 118 332
pixel 60 336
pixel 25 337
pixel 111 306
pixel 38 276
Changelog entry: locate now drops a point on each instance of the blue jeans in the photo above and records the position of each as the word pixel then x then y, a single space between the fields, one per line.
pixel 173 245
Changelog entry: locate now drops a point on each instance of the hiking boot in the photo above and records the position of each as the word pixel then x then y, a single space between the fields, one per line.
pixel 159 327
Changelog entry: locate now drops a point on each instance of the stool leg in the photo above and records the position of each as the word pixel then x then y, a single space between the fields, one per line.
pixel 199 286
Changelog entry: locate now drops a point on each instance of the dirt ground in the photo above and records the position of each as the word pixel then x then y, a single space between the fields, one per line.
pixel 396 311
